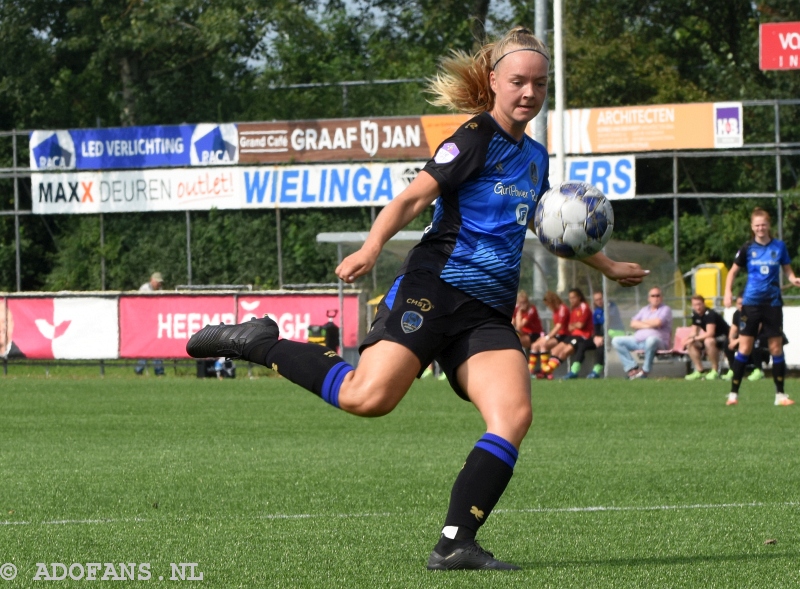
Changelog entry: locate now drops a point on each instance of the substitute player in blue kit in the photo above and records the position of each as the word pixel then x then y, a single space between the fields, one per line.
pixel 762 306
pixel 453 298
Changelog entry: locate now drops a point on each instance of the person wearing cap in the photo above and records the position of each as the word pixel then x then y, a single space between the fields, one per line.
pixel 155 283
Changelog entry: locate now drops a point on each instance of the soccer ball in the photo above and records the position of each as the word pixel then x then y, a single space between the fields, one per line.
pixel 573 220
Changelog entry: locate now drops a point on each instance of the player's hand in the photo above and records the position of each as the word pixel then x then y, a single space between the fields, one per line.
pixel 355 265
pixel 727 300
pixel 626 273
pixel 795 281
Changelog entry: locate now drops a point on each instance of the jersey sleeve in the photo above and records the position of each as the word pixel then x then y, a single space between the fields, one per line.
pixel 462 155
pixel 741 256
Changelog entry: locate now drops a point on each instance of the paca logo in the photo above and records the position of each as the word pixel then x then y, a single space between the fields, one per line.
pixel 214 145
pixel 52 150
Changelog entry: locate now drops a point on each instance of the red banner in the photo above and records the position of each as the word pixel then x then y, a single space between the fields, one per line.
pixel 779 46
pixel 156 326
pixel 61 327
pixel 294 313
pixel 152 326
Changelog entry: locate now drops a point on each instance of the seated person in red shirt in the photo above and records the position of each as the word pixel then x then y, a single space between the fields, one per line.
pixel 542 346
pixel 581 330
pixel 526 321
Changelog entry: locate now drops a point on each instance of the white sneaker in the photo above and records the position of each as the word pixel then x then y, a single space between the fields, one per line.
pixel 782 400
pixel 733 399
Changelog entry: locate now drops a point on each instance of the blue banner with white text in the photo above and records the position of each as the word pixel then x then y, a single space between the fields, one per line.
pixel 134 147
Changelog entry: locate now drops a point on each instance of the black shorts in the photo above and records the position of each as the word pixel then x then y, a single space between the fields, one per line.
pixel 563 338
pixel 576 340
pixel 761 321
pixel 437 321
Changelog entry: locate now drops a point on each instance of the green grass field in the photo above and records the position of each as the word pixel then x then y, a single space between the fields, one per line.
pixel 619 484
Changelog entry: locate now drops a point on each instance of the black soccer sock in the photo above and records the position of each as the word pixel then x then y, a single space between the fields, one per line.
pixel 313 367
pixel 739 362
pixel 779 372
pixel 477 490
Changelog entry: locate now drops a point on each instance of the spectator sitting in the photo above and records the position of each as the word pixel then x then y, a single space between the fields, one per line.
pixel 542 346
pixel 653 327
pixel 580 333
pixel 710 335
pixel 155 283
pixel 526 321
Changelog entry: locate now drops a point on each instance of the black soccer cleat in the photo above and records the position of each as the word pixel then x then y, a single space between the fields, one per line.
pixel 250 340
pixel 470 557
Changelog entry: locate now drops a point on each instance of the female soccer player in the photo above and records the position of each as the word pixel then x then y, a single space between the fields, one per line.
pixel 453 297
pixel 581 330
pixel 542 346
pixel 762 305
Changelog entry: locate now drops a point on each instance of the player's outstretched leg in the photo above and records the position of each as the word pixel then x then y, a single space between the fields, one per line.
pixel 315 368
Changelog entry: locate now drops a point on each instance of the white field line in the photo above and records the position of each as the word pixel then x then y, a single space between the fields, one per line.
pixel 62 522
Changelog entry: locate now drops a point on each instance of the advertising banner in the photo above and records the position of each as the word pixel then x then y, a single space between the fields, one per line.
pixel 186 189
pixel 652 128
pixel 615 176
pixel 330 140
pixel 62 328
pixel 156 326
pixel 334 185
pixel 159 326
pixel 134 147
pixel 779 46
pixel 294 313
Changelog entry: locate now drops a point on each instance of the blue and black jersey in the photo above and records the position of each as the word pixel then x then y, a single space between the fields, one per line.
pixel 763 266
pixel 490 184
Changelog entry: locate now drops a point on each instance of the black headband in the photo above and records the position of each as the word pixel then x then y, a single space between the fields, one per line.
pixel 515 50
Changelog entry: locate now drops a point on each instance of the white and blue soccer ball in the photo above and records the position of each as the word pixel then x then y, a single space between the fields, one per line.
pixel 574 220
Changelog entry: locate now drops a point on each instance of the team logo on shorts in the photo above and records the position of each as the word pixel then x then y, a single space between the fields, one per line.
pixel 411 321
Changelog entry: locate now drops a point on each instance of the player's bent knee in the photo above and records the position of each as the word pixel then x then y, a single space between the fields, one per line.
pixel 369 401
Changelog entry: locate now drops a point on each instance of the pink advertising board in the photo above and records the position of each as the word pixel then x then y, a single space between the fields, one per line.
pixel 158 326
pixel 294 313
pixel 60 327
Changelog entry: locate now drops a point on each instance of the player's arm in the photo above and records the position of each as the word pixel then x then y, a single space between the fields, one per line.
pixel 625 273
pixel 728 298
pixel 787 269
pixel 394 216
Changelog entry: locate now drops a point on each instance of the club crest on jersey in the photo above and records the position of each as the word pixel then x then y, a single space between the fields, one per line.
pixel 411 321
pixel 534 172
pixel 446 154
